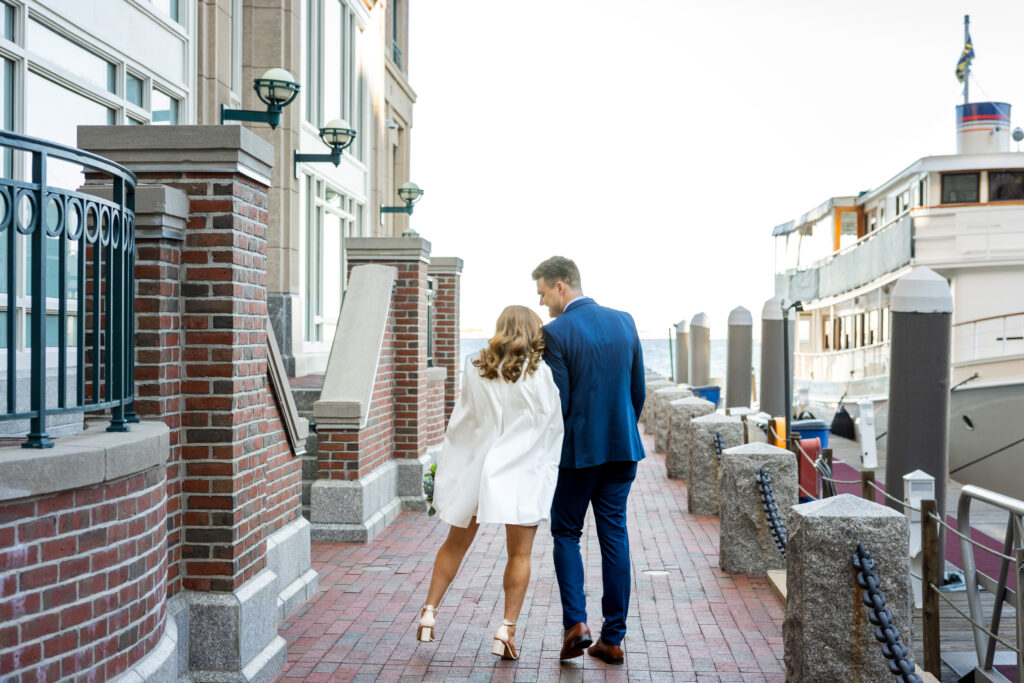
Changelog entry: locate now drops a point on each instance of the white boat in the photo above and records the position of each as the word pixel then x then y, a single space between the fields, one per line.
pixel 961 215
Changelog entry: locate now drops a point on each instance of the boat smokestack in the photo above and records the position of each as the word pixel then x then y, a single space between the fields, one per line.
pixel 982 128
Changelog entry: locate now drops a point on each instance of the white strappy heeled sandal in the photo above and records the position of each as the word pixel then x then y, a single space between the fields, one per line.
pixel 425 632
pixel 504 645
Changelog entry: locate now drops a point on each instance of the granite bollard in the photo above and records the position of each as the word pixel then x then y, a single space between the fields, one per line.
pixel 824 609
pixel 663 417
pixel 745 542
pixel 647 415
pixel 702 489
pixel 680 412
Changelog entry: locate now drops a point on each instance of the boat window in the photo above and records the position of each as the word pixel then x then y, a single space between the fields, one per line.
pixel 922 192
pixel 958 188
pixel 826 333
pixel 883 334
pixel 1004 186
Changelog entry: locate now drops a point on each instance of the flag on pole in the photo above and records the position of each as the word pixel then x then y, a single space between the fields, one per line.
pixel 966 56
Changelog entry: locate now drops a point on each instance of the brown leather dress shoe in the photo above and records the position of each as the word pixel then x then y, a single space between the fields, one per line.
pixel 610 654
pixel 574 640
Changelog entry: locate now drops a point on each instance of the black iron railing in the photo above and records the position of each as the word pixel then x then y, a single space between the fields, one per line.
pixel 88 296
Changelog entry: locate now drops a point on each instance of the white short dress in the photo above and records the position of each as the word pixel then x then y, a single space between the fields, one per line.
pixel 501 451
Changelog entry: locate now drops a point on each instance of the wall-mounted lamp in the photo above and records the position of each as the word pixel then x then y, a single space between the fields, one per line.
pixel 276 88
pixel 336 135
pixel 409 193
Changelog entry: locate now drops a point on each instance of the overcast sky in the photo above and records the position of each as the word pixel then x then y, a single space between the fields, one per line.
pixel 657 142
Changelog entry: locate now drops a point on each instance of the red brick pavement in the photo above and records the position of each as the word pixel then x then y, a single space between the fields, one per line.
pixel 693 623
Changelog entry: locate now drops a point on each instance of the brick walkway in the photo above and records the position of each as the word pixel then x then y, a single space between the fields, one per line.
pixel 688 622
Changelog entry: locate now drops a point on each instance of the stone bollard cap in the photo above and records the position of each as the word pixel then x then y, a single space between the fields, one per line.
pixel 844 505
pixel 654 385
pixel 716 418
pixel 672 393
pixel 683 327
pixel 701 320
pixel 755 448
pixel 692 402
pixel 772 309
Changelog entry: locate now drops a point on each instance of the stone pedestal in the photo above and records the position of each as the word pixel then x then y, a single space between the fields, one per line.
pixel 651 402
pixel 680 412
pixel 826 630
pixel 745 543
pixel 702 489
pixel 664 417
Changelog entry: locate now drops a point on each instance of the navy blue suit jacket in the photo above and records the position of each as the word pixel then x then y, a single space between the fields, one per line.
pixel 597 363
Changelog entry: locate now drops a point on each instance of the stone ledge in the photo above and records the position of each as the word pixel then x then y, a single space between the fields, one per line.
pixel 85 459
pixel 445 264
pixel 389 249
pixel 437 374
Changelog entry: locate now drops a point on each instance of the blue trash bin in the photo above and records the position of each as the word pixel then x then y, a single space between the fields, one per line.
pixel 809 429
pixel 708 392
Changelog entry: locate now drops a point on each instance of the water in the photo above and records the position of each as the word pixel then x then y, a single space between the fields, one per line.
pixel 656 355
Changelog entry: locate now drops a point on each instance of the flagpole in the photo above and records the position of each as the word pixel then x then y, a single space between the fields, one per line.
pixel 967 70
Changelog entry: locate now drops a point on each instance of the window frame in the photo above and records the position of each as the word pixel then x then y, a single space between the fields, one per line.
pixel 943 199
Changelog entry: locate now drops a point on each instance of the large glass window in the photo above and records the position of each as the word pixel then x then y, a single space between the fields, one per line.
pixel 6 21
pixel 959 188
pixel 1005 186
pixel 334 43
pixel 169 7
pixel 133 89
pixel 165 108
pixel 78 61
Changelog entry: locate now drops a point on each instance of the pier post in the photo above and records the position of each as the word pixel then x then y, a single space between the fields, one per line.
pixel 918 434
pixel 682 352
pixel 738 358
pixel 700 350
pixel 746 545
pixel 826 632
pixel 931 573
pixel 773 389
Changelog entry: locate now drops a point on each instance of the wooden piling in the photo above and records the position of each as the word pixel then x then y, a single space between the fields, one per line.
pixel 931 565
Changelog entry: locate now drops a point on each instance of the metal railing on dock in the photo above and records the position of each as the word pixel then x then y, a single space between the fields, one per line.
pixel 67 292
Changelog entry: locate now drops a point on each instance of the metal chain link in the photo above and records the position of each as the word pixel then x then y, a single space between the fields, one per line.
pixel 901 664
pixel 771 510
pixel 719 445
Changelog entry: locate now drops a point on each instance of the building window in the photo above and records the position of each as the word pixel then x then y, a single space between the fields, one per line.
pixel 958 188
pixel 903 202
pixel 331 217
pixel 922 192
pixel 396 45
pixel 164 107
pixel 1005 186
pixel 54 48
pixel 170 8
pixel 335 85
pixel 6 22
pixel 236 46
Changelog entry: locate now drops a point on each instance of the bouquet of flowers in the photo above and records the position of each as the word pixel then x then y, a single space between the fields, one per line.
pixel 428 488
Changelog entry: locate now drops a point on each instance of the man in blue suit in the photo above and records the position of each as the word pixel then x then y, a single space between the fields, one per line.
pixel 595 357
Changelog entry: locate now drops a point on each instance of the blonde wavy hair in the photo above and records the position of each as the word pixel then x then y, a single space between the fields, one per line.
pixel 517 341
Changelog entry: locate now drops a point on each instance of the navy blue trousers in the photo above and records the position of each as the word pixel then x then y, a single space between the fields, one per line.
pixel 606 487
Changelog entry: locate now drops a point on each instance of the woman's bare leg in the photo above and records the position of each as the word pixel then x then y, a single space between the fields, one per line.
pixel 449 558
pixel 519 541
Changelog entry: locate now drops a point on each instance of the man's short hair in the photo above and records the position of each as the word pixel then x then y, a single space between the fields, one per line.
pixel 558 268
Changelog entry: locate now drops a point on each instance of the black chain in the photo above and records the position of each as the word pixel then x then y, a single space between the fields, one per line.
pixel 719 445
pixel 771 510
pixel 901 664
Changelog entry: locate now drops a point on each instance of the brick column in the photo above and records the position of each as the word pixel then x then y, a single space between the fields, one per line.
pixel 209 290
pixel 410 256
pixel 447 273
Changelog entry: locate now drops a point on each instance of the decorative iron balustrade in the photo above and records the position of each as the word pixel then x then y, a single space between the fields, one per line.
pixel 89 297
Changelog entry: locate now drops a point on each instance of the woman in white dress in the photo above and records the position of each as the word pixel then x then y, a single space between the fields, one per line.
pixel 499 463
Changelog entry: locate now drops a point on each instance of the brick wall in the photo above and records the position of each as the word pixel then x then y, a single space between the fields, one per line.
pixel 446 349
pixel 82 579
pixel 433 429
pixel 232 479
pixel 410 398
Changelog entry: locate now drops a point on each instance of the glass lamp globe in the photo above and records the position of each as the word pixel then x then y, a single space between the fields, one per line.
pixel 277 86
pixel 337 133
pixel 410 192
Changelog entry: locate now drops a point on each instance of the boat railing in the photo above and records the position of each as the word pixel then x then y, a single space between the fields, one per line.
pixel 1011 564
pixel 844 364
pixel 988 338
